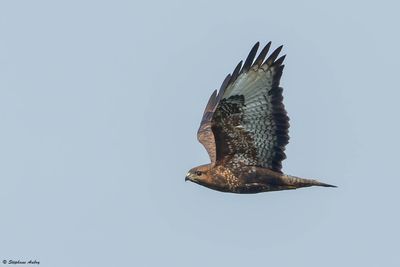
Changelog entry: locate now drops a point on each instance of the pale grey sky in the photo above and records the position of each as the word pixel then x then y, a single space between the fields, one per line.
pixel 100 103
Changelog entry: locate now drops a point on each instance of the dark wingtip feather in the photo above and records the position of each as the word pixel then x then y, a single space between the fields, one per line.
pixel 273 56
pixel 236 71
pixel 223 87
pixel 262 54
pixel 279 61
pixel 249 60
pixel 211 102
pixel 225 82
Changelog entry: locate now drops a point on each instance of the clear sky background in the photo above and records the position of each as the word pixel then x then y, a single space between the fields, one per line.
pixel 99 107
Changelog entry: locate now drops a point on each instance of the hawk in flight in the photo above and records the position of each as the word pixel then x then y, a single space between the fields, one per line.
pixel 245 130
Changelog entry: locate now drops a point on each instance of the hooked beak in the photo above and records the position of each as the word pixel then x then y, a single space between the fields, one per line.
pixel 187 178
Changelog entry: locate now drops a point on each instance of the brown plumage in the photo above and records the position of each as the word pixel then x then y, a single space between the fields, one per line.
pixel 245 130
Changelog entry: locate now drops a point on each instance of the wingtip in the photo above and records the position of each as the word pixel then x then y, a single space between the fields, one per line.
pixel 271 59
pixel 250 58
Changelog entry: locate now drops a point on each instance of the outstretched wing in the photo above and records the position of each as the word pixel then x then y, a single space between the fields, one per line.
pixel 205 134
pixel 246 122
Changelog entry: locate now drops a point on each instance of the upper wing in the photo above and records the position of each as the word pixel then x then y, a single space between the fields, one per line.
pixel 205 134
pixel 246 122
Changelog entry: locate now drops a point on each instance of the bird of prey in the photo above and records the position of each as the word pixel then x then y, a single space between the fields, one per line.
pixel 245 130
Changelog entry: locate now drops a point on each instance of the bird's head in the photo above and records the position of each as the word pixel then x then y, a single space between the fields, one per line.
pixel 199 175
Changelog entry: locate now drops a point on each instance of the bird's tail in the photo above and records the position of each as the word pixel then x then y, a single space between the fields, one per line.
pixel 301 182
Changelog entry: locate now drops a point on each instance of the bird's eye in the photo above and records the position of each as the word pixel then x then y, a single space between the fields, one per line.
pixel 198 173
